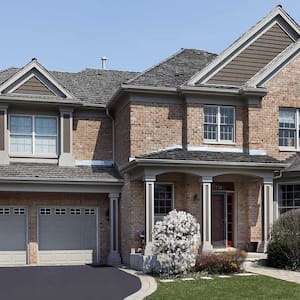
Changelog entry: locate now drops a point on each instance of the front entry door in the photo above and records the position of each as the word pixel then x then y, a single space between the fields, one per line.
pixel 218 220
pixel 222 219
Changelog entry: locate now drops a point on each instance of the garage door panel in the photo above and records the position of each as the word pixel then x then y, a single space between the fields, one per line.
pixel 68 238
pixel 13 237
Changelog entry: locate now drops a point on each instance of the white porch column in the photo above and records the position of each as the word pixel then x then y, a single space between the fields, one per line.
pixel 149 213
pixel 206 214
pixel 114 255
pixel 268 213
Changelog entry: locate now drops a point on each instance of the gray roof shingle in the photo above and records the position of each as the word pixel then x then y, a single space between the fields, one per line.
pixel 92 86
pixel 38 171
pixel 182 154
pixel 175 70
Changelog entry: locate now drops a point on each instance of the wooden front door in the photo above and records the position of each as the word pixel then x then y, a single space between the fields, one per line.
pixel 219 220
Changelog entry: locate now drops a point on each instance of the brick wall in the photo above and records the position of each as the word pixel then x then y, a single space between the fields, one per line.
pixel 34 200
pixel 92 136
pixel 284 91
pixel 122 127
pixel 154 127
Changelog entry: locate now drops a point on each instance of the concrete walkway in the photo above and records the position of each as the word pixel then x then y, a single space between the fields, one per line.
pixel 148 283
pixel 255 267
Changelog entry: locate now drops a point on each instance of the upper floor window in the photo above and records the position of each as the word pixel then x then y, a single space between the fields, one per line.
pixel 289 128
pixel 163 198
pixel 219 124
pixel 33 135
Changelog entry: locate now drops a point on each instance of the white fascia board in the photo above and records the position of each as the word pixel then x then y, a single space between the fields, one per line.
pixel 214 149
pixel 221 60
pixel 274 67
pixel 193 163
pixel 27 68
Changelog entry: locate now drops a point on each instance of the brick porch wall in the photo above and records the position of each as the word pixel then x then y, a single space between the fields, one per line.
pixel 34 200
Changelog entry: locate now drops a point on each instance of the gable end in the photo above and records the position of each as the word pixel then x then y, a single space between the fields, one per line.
pixel 253 58
pixel 34 86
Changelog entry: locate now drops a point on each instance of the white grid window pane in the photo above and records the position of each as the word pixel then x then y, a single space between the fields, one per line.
pixel 210 115
pixel 45 144
pixel 226 115
pixel 45 126
pixel 21 144
pixel 287 128
pixel 20 124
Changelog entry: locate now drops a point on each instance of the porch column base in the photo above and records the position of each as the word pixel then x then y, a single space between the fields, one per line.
pixel 207 247
pixel 114 258
pixel 148 249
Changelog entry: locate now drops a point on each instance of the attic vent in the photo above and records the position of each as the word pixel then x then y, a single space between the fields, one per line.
pixel 103 60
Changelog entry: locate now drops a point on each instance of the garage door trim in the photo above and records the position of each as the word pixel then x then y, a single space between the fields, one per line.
pixel 67 207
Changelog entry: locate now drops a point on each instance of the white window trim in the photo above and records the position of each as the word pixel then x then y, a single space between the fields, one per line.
pixel 297 124
pixel 33 134
pixel 173 196
pixel 218 140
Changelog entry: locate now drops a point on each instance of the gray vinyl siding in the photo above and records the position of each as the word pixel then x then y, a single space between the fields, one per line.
pixel 253 58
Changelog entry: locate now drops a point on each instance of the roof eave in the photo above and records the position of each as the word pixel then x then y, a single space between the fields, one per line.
pixel 193 163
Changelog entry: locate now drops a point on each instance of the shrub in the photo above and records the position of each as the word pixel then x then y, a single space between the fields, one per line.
pixel 284 247
pixel 220 263
pixel 174 242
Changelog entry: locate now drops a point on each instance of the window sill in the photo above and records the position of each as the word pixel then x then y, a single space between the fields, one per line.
pixel 34 159
pixel 288 149
pixel 219 143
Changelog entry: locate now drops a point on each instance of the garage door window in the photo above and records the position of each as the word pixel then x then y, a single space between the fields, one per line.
pixel 19 211
pixel 60 211
pixel 75 211
pixel 4 211
pixel 45 211
pixel 89 211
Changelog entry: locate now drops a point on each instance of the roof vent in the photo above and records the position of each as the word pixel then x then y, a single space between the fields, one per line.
pixel 103 60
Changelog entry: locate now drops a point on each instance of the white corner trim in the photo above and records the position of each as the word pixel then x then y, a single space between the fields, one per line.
pixel 102 163
pixel 228 54
pixel 214 149
pixel 27 68
pixel 131 158
pixel 258 152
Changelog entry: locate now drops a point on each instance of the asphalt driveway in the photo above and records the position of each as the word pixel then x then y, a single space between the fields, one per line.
pixel 66 283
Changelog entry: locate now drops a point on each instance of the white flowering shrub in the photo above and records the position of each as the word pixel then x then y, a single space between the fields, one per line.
pixel 175 242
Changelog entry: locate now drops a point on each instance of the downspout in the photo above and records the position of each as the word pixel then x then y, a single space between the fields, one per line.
pixel 113 135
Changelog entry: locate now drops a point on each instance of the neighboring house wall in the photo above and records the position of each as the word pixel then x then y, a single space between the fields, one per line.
pixel 92 135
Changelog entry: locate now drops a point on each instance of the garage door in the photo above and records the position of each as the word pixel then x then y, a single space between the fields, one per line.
pixel 13 235
pixel 67 235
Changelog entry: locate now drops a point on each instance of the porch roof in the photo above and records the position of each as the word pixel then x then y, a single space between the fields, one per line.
pixel 182 154
pixel 38 172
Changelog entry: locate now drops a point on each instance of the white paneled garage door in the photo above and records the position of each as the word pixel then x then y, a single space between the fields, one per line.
pixel 13 235
pixel 68 235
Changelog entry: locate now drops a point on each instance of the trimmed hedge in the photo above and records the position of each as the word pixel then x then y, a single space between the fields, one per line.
pixel 220 263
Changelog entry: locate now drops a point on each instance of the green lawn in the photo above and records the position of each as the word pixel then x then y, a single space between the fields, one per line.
pixel 235 287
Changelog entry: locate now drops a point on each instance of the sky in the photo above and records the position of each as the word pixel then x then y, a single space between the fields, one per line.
pixel 71 35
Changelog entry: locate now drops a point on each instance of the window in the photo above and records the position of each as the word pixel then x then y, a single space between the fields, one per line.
pixel 33 135
pixel 90 211
pixel 219 124
pixel 4 211
pixel 75 211
pixel 19 211
pixel 60 211
pixel 289 128
pixel 163 198
pixel 289 197
pixel 45 211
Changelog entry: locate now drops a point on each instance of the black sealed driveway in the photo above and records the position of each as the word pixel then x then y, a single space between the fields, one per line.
pixel 66 283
